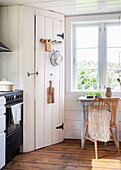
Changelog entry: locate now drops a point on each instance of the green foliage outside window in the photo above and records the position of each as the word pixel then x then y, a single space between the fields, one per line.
pixel 88 78
pixel 87 75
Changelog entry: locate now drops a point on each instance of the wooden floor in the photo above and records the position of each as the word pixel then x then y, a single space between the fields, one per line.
pixel 69 155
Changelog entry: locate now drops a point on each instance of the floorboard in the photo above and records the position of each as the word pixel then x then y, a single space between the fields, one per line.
pixel 68 155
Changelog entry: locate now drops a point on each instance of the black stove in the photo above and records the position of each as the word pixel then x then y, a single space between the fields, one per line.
pixel 14 97
pixel 14 122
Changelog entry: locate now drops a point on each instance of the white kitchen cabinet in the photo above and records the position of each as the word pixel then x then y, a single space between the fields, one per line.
pixel 2 150
pixel 2 123
pixel 2 103
pixel 2 133
pixel 2 110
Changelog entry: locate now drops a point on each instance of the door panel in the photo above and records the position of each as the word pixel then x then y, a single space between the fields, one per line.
pixel 48 116
pixel 61 75
pixel 28 66
pixel 39 83
pixel 55 77
pixel 48 70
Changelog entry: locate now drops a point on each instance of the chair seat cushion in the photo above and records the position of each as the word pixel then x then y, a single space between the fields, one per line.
pixel 99 125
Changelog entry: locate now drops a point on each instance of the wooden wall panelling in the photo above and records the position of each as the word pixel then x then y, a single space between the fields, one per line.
pixel 39 86
pixel 3 39
pixel 48 70
pixel 72 97
pixel 20 50
pixel 12 38
pixel 28 66
pixel 73 115
pixel 72 134
pixel 72 106
pixel 55 77
pixel 49 14
pixel 3 24
pixel 73 125
pixel 61 80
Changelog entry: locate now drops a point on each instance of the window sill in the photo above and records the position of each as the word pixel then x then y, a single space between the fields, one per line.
pixel 116 93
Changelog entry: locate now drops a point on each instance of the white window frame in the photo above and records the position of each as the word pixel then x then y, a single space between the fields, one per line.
pixel 74 52
pixel 92 19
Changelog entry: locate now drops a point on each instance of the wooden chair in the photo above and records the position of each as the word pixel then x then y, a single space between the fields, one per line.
pixel 109 104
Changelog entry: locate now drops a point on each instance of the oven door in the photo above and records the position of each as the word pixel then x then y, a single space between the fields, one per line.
pixel 13 117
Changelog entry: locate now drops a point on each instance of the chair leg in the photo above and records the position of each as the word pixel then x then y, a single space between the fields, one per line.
pixel 105 143
pixel 96 149
pixel 85 132
pixel 114 139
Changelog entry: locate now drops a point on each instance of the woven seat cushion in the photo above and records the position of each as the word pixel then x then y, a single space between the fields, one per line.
pixel 99 125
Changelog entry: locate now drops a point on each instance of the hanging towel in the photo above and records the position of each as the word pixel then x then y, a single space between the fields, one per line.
pixel 16 111
pixel 99 125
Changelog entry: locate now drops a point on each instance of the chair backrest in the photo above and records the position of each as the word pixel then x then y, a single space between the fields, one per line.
pixel 109 104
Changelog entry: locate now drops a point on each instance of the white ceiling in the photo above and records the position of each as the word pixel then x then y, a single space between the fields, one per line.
pixel 70 7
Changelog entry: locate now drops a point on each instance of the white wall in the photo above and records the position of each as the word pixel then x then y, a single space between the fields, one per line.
pixel 18 22
pixel 72 106
pixel 9 62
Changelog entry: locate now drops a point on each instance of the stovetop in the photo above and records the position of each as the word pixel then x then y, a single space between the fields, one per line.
pixel 10 92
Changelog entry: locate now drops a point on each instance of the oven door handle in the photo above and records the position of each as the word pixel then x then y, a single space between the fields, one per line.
pixel 14 104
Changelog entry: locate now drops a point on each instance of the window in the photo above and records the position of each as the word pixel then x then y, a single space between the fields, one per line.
pixel 96 56
pixel 113 56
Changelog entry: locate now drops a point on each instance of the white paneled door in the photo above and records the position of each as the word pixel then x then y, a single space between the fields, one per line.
pixel 48 116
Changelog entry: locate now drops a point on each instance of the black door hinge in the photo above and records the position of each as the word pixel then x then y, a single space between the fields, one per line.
pixel 61 35
pixel 61 126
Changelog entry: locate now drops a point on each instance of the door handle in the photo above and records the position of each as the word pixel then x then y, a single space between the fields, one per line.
pixel 14 105
pixel 29 74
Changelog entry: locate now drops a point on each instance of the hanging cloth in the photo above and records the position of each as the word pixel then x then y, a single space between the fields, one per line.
pixel 99 125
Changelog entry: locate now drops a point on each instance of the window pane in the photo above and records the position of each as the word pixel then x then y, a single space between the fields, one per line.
pixel 87 79
pixel 87 59
pixel 113 56
pixel 86 52
pixel 112 76
pixel 87 37
pixel 113 36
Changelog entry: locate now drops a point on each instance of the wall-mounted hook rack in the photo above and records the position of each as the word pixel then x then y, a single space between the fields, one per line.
pixel 48 43
pixel 56 42
pixel 52 41
pixel 44 40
